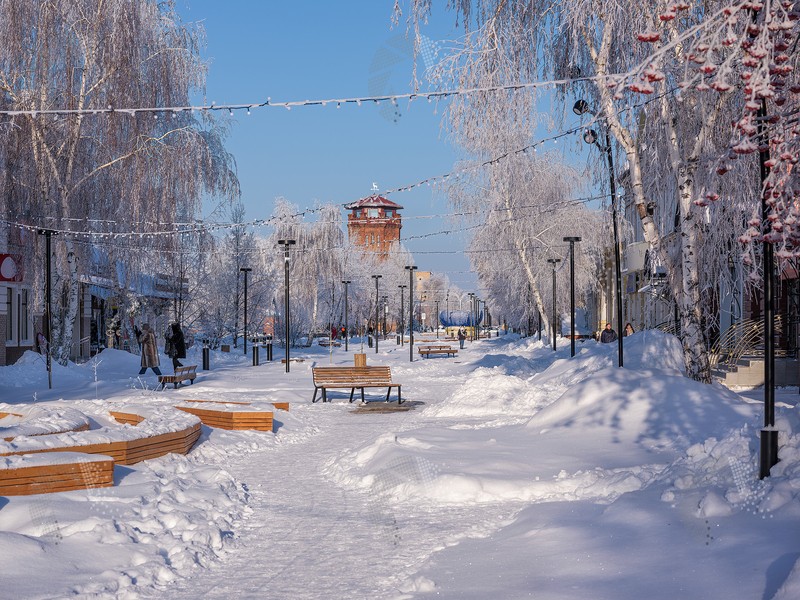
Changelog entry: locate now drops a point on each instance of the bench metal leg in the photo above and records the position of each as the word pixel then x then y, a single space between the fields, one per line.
pixel 314 399
pixel 362 395
pixel 324 395
pixel 388 391
pixel 352 391
pixel 399 398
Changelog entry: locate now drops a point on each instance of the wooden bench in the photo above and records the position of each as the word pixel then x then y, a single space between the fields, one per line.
pixel 181 374
pixel 354 378
pixel 427 350
pixel 225 417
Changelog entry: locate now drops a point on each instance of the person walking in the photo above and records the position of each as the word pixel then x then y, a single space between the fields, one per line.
pixel 175 346
pixel 628 330
pixel 150 360
pixel 608 335
pixel 462 335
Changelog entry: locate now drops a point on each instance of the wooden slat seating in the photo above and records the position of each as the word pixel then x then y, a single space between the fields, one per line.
pixel 429 349
pixel 56 472
pixel 277 404
pixel 234 419
pixel 354 378
pixel 42 420
pixel 185 373
pixel 163 435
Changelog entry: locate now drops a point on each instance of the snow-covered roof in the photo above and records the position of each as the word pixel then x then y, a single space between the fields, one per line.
pixel 374 201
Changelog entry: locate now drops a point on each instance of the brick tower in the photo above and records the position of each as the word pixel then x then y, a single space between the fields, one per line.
pixel 374 223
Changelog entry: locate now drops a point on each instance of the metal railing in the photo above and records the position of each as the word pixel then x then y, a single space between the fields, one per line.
pixel 745 338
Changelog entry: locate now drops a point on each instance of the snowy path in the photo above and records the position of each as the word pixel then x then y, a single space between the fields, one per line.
pixel 309 538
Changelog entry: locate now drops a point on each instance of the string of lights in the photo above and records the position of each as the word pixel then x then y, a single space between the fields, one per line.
pixel 430 96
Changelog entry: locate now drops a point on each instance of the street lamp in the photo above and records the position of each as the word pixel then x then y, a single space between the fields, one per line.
pixel 471 313
pixel 245 270
pixel 287 244
pixel 402 315
pixel 411 270
pixel 436 320
pixel 581 107
pixel 572 240
pixel 385 312
pixel 346 282
pixel 48 304
pixel 377 309
pixel 554 262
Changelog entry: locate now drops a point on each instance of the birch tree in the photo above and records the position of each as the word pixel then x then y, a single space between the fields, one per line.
pixel 591 45
pixel 132 169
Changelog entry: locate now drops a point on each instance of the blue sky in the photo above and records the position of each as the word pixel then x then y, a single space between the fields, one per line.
pixel 317 50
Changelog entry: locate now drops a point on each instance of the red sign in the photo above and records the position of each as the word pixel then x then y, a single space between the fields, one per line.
pixel 11 267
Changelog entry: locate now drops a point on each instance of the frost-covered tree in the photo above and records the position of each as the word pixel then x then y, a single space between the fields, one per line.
pixel 135 171
pixel 593 47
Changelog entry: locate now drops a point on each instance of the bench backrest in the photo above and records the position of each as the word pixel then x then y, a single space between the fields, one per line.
pixel 372 375
pixel 185 370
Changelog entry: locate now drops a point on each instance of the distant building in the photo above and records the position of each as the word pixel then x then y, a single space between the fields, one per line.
pixel 374 223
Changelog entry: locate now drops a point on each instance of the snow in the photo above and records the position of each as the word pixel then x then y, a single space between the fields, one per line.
pixel 519 472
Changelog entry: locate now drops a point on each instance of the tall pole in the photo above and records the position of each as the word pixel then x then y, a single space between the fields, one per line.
pixel 471 296
pixel 402 314
pixel 436 303
pixel 245 270
pixel 411 270
pixel 377 310
pixel 385 312
pixel 48 307
pixel 769 435
pixel 572 241
pixel 554 262
pixel 346 313
pixel 286 245
pixel 590 137
pixel 617 261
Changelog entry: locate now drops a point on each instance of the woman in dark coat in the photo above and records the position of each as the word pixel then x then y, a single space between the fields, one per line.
pixel 150 359
pixel 176 345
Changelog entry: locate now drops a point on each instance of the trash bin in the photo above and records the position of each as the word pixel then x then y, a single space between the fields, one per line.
pixel 369 341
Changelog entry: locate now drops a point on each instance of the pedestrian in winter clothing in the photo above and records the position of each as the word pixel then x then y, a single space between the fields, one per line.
pixel 462 335
pixel 628 329
pixel 150 359
pixel 608 335
pixel 175 346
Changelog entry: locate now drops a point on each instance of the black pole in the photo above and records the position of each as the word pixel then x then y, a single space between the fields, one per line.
pixel 402 315
pixel 245 270
pixel 48 307
pixel 385 311
pixel 572 241
pixel 377 310
pixel 617 267
pixel 286 245
pixel 554 262
pixel 769 435
pixel 346 325
pixel 436 304
pixel 411 270
pixel 206 361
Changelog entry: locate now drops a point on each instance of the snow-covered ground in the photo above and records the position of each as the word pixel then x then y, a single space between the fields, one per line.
pixel 518 473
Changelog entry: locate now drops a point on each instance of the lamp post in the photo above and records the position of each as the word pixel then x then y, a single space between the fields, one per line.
pixel 581 107
pixel 377 309
pixel 554 262
pixel 245 270
pixel 48 306
pixel 346 282
pixel 402 314
pixel 411 270
pixel 385 312
pixel 471 312
pixel 287 244
pixel 768 435
pixel 572 241
pixel 436 304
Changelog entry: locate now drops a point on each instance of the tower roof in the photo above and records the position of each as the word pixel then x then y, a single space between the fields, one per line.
pixel 373 201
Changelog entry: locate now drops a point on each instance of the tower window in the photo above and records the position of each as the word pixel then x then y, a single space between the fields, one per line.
pixel 372 213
